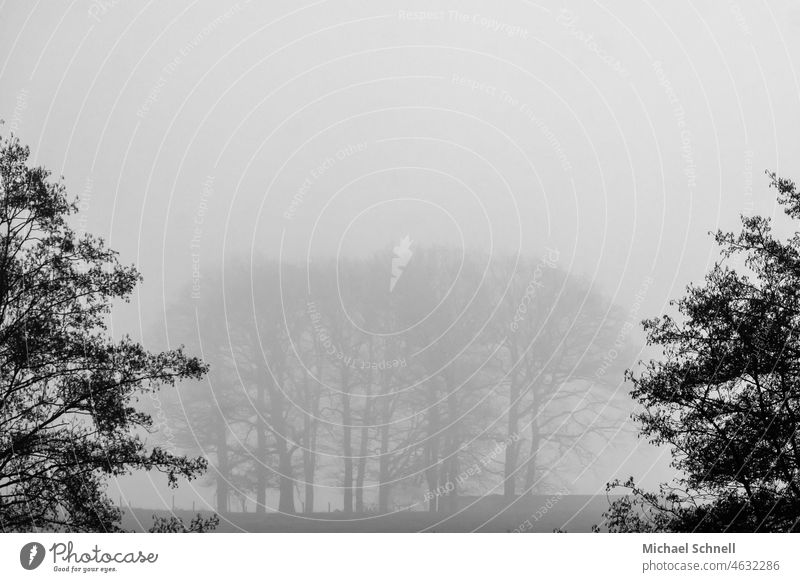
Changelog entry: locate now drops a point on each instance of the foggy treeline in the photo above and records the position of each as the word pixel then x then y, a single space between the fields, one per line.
pixel 419 386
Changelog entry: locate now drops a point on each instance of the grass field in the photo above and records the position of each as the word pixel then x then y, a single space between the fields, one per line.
pixel 572 513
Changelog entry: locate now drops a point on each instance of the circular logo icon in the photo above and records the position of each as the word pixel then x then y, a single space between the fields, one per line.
pixel 31 555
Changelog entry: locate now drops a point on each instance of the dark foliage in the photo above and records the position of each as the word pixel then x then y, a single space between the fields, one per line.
pixel 67 390
pixel 173 524
pixel 726 394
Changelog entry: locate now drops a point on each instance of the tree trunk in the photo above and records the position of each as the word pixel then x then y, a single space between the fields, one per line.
pixel 309 462
pixel 286 483
pixel 512 437
pixel 366 420
pixel 223 469
pixel 453 448
pixel 261 451
pixel 280 433
pixel 362 459
pixel 310 441
pixel 384 460
pixel 361 470
pixel 285 476
pixel 530 463
pixel 432 456
pixel 384 487
pixel 347 421
pixel 449 501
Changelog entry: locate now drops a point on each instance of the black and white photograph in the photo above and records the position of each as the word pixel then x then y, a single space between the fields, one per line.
pixel 323 274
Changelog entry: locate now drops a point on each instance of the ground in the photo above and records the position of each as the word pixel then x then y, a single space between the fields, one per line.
pixel 572 513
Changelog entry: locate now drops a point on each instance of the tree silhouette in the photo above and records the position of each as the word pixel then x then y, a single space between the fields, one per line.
pixel 726 395
pixel 67 391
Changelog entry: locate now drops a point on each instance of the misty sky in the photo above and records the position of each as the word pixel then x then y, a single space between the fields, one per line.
pixel 617 133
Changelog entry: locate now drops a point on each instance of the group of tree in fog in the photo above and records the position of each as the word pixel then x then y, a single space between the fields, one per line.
pixel 468 375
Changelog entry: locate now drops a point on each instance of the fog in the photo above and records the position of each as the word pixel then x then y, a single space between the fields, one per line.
pixel 405 163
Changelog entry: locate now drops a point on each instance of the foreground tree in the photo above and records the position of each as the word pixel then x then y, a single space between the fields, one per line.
pixel 67 390
pixel 726 396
